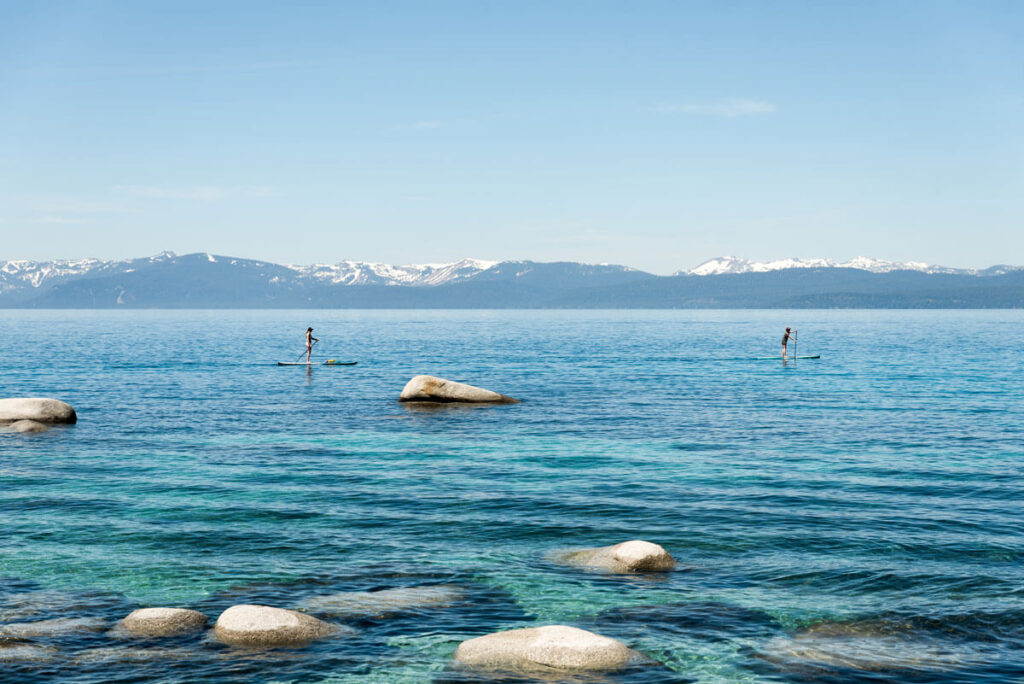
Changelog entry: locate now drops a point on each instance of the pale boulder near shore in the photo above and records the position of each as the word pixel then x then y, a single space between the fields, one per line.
pixel 150 622
pixel 264 626
pixel 628 557
pixel 552 647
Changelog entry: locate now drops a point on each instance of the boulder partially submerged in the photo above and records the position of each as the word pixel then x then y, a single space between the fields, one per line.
pixel 554 647
pixel 38 409
pixel 627 557
pixel 150 622
pixel 28 426
pixel 427 388
pixel 384 602
pixel 264 626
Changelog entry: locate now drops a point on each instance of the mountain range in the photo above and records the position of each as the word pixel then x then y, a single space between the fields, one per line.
pixel 204 280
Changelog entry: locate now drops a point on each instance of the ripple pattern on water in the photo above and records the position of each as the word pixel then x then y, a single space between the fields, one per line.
pixel 879 487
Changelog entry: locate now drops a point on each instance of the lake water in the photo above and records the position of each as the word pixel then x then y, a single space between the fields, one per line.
pixel 854 518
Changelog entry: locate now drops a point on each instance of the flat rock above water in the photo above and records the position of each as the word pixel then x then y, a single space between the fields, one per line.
pixel 265 626
pixel 427 388
pixel 627 557
pixel 554 647
pixel 38 409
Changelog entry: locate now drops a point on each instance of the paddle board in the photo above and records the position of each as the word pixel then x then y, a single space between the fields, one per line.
pixel 779 358
pixel 317 363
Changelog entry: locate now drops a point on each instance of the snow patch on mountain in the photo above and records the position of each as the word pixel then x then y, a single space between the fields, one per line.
pixel 373 273
pixel 733 265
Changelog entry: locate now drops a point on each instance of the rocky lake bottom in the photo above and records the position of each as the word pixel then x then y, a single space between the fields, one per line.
pixel 852 518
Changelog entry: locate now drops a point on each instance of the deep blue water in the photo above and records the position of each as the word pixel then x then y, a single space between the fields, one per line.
pixel 855 518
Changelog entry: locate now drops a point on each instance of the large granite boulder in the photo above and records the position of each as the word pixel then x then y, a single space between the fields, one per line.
pixel 627 557
pixel 427 388
pixel 384 602
pixel 150 622
pixel 39 409
pixel 263 626
pixel 555 647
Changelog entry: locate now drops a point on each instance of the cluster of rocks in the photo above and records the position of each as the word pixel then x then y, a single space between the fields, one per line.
pixel 39 414
pixel 550 647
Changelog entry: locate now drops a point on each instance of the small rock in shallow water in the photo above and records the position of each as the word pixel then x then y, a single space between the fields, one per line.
pixel 627 557
pixel 161 622
pixel 55 627
pixel 554 647
pixel 28 426
pixel 264 626
pixel 20 650
pixel 37 409
pixel 124 654
pixel 431 389
pixel 383 602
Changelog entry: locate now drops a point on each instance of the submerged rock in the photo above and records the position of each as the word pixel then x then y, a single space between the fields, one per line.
pixel 249 625
pixel 627 557
pixel 429 388
pixel 161 622
pixel 554 647
pixel 383 602
pixel 869 645
pixel 55 627
pixel 28 426
pixel 20 650
pixel 38 409
pixel 125 654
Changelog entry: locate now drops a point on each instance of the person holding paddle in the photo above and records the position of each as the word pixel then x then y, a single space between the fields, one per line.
pixel 310 340
pixel 786 337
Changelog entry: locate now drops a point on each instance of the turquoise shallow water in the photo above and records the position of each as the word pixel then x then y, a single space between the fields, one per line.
pixel 856 518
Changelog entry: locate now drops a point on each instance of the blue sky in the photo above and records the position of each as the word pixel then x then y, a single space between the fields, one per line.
pixel 655 134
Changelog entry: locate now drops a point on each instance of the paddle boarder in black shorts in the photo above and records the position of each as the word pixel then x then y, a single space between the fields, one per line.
pixel 786 337
pixel 310 340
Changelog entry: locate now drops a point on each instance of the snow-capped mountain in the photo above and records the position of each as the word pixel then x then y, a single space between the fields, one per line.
pixel 205 280
pixel 372 273
pixel 731 264
pixel 19 274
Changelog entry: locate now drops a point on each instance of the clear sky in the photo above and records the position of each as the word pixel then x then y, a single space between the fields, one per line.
pixel 654 134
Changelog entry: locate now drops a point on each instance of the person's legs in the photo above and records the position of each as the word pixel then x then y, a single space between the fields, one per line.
pixel 783 350
pixel 309 350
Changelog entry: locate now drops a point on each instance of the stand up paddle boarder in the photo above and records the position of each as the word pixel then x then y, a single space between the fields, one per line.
pixel 786 337
pixel 310 340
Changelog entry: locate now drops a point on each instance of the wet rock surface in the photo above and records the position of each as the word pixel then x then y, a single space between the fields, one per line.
pixel 427 388
pixel 628 557
pixel 37 409
pixel 546 649
pixel 266 626
pixel 150 622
